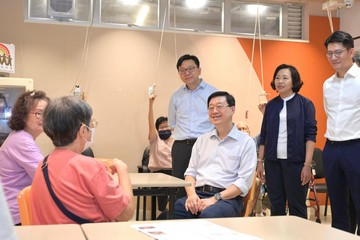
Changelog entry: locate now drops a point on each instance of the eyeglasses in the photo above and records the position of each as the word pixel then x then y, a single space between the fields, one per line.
pixel 93 124
pixel 336 53
pixel 38 115
pixel 189 69
pixel 218 108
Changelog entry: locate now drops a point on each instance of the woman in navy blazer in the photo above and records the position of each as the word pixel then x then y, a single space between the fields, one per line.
pixel 287 142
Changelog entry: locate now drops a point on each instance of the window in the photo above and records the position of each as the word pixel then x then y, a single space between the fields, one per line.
pixel 224 17
pixel 208 18
pixel 245 17
pixel 60 10
pixel 143 13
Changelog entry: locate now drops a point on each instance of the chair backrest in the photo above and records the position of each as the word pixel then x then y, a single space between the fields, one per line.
pixel 249 200
pixel 145 160
pixel 24 202
pixel 88 152
pixel 318 163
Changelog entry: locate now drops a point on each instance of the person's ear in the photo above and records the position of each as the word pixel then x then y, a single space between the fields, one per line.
pixel 82 130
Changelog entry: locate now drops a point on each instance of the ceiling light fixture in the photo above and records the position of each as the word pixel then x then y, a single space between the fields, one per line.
pixel 130 2
pixel 142 15
pixel 253 9
pixel 195 4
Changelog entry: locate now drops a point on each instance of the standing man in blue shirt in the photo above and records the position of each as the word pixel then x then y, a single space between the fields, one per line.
pixel 188 113
pixel 342 149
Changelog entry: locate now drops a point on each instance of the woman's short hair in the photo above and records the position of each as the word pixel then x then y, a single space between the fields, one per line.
pixel 159 121
pixel 23 105
pixel 63 118
pixel 295 77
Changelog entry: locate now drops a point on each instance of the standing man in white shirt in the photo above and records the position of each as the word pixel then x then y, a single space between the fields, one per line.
pixel 222 166
pixel 188 113
pixel 342 149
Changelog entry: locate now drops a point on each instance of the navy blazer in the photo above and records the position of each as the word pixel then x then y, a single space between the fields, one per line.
pixel 301 127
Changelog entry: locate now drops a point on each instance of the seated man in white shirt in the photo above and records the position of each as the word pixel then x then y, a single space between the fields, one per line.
pixel 221 168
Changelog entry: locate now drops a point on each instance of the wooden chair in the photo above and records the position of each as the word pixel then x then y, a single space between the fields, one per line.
pixel 24 201
pixel 249 200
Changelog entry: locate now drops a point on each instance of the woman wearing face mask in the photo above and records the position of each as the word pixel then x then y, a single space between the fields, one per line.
pixel 160 147
pixel 81 184
pixel 20 154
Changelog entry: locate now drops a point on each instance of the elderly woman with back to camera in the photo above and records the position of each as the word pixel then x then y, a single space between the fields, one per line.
pixel 20 154
pixel 81 184
pixel 287 142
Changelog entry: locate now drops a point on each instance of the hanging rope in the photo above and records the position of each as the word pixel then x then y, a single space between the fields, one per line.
pixel 84 56
pixel 175 42
pixel 252 64
pixel 330 19
pixel 160 47
pixel 263 94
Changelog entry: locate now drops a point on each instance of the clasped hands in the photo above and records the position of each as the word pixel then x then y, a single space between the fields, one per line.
pixel 196 205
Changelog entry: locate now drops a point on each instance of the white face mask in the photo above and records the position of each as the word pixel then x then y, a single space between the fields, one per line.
pixel 88 143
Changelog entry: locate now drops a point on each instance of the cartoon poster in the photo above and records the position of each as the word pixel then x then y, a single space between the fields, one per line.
pixel 7 58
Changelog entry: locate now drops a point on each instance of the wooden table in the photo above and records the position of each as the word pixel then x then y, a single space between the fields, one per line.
pixel 267 228
pixel 165 185
pixel 50 232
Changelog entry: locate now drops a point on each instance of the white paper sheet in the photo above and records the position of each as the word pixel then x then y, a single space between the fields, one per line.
pixel 199 230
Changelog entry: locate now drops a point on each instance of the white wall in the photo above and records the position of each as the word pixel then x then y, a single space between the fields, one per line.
pixel 350 19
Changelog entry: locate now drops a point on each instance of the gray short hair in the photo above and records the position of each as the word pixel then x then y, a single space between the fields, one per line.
pixel 63 118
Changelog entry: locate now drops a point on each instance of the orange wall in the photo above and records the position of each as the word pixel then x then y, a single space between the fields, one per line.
pixel 308 58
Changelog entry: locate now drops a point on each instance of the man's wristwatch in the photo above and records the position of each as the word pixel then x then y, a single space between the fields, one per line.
pixel 218 196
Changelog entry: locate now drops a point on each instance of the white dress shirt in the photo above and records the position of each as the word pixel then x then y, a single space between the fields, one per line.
pixel 220 163
pixel 342 105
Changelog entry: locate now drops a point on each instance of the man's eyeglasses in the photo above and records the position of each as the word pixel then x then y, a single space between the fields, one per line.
pixel 218 108
pixel 189 69
pixel 38 115
pixel 336 53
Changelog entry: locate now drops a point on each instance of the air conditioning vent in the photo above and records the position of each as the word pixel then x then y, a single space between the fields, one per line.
pixel 294 21
pixel 61 9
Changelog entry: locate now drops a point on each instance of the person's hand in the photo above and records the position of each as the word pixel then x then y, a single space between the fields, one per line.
pixel 306 175
pixel 152 98
pixel 262 107
pixel 117 165
pixel 193 204
pixel 206 202
pixel 260 172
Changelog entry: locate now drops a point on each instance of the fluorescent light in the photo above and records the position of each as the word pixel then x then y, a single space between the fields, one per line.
pixel 195 3
pixel 142 15
pixel 252 9
pixel 130 2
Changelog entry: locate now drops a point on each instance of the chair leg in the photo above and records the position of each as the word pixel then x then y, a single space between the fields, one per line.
pixel 153 208
pixel 326 204
pixel 137 208
pixel 144 208
pixel 317 210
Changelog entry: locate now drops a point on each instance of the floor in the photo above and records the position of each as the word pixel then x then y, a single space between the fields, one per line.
pixel 324 219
